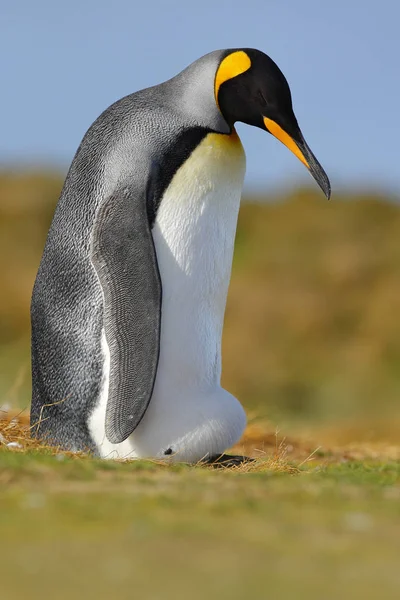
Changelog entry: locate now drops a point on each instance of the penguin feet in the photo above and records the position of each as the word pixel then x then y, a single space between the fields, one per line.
pixel 227 460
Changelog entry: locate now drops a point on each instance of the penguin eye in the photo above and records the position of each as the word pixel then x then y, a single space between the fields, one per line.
pixel 262 97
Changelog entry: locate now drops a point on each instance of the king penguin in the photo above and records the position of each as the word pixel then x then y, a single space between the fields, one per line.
pixel 128 304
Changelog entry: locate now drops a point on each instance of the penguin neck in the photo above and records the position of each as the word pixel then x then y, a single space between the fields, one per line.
pixel 192 92
pixel 194 236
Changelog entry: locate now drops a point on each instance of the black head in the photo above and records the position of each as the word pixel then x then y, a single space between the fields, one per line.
pixel 250 87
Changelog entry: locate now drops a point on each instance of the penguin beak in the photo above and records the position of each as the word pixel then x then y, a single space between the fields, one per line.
pixel 301 149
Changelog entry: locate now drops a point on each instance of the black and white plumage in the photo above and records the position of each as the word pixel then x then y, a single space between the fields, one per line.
pixel 128 304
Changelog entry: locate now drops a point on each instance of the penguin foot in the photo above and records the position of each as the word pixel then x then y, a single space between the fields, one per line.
pixel 227 460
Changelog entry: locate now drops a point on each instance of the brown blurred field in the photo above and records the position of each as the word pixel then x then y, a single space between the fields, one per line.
pixel 312 330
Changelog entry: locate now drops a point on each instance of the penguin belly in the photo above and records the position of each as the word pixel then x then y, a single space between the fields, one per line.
pixel 190 417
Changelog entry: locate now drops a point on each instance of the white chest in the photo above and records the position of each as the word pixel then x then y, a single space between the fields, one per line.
pixel 194 236
pixel 189 413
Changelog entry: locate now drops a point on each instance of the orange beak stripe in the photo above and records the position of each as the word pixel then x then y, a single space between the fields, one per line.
pixel 285 138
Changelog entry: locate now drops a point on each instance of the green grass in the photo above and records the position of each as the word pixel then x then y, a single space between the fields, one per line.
pixel 77 527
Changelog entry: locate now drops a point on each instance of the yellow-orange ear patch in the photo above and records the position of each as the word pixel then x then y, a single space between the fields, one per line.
pixel 233 65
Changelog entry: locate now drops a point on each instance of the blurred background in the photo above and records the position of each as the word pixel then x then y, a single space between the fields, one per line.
pixel 312 325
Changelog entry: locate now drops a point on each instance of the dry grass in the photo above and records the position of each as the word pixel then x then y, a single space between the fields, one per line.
pixel 302 522
pixel 260 441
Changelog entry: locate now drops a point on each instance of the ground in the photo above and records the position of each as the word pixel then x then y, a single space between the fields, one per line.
pixel 302 522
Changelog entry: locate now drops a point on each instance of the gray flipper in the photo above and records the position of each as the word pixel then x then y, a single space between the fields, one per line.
pixel 124 257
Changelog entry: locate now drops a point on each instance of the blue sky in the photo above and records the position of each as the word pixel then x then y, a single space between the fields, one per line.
pixel 62 63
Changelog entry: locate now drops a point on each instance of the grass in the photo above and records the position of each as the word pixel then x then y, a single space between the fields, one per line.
pixel 302 522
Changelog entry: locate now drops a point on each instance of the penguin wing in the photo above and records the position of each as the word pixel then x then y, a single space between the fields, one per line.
pixel 125 260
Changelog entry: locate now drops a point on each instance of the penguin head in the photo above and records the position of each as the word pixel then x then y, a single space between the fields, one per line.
pixel 249 87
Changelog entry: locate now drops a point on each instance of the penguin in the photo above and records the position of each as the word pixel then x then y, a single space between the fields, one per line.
pixel 128 304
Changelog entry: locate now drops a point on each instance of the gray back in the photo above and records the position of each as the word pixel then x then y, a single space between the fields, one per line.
pixel 151 131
